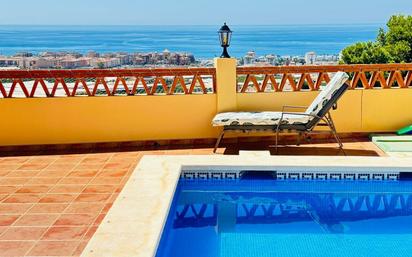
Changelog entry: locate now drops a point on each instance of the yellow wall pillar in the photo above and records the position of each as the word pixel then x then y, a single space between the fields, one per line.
pixel 226 84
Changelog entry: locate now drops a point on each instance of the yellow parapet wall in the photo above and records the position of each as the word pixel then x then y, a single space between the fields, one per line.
pixel 127 118
pixel 226 79
pixel 386 109
pixel 29 121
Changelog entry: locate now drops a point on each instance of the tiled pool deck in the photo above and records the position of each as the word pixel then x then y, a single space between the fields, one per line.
pixel 52 203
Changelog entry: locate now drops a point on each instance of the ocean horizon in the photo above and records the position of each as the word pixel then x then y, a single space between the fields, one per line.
pixel 200 40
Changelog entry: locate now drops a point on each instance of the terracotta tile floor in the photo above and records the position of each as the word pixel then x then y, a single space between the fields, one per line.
pixel 52 203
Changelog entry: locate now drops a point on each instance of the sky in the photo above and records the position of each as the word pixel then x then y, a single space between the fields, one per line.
pixel 199 12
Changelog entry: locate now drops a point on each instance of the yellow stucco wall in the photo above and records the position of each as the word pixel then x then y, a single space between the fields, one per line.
pixel 386 109
pixel 226 79
pixel 106 119
pixel 111 119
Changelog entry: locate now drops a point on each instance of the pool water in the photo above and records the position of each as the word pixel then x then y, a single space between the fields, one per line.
pixel 245 218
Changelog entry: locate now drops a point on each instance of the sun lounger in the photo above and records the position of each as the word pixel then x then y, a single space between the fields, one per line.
pixel 317 114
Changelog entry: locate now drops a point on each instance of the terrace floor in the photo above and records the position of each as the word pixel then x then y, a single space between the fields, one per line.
pixel 51 203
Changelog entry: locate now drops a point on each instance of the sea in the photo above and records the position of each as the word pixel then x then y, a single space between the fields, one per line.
pixel 202 41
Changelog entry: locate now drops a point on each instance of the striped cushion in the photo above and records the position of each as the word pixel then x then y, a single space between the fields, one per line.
pixel 326 94
pixel 257 118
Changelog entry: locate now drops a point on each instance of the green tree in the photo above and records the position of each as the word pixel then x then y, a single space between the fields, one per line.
pixel 393 45
pixel 399 38
pixel 365 53
pixel 381 39
pixel 400 52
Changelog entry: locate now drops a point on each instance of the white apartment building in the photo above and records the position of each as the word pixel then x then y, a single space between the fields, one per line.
pixel 310 58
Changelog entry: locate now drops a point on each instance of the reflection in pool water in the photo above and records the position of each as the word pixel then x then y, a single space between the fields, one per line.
pixel 289 219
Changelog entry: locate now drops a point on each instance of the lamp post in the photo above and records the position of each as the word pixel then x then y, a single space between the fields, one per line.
pixel 225 35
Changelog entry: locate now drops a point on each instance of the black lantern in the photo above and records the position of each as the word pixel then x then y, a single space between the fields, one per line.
pixel 225 35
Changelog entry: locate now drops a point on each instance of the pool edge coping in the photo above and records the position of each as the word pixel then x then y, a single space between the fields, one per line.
pixel 130 230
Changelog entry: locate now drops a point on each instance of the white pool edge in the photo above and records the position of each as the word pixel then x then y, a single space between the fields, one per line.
pixel 133 226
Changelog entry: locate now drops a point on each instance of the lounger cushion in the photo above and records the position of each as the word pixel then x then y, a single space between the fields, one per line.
pixel 327 93
pixel 257 118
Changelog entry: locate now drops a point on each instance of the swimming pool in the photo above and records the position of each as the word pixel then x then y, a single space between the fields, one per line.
pixel 142 214
pixel 289 218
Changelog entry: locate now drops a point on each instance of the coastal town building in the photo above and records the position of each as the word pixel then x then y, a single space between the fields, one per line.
pixel 72 60
pixel 251 59
pixel 327 59
pixel 6 61
pixel 310 58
